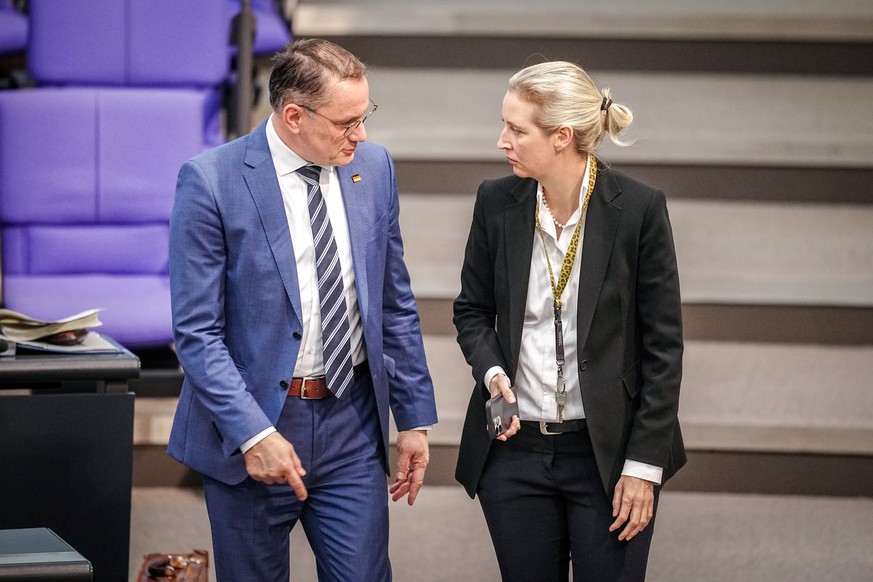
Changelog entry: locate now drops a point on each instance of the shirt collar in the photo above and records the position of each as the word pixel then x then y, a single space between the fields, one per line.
pixel 583 190
pixel 285 160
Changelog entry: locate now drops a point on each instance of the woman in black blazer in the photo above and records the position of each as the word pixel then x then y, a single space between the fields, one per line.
pixel 570 306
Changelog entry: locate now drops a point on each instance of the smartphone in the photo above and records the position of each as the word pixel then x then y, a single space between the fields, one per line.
pixel 498 414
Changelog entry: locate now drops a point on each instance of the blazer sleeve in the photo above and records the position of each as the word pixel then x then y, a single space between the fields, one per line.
pixel 411 390
pixel 475 308
pixel 658 373
pixel 198 263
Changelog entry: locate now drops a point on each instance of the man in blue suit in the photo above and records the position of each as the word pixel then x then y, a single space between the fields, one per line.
pixel 298 331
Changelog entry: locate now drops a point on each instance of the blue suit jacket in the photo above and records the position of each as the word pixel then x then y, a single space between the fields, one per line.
pixel 236 305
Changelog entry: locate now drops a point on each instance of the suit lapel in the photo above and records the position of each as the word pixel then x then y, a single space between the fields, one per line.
pixel 260 177
pixel 356 199
pixel 601 225
pixel 519 225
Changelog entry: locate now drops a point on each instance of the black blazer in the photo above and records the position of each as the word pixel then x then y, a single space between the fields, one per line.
pixel 629 319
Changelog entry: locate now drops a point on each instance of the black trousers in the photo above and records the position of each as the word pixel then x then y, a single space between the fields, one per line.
pixel 546 508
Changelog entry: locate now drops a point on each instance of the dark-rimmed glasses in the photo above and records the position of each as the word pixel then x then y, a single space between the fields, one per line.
pixel 348 128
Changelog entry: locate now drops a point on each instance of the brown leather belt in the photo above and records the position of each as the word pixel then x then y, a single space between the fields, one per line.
pixel 315 387
pixel 309 388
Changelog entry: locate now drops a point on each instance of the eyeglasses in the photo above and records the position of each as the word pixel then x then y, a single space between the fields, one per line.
pixel 348 128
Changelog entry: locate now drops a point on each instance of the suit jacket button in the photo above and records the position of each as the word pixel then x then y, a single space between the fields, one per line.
pixel 297 335
pixel 283 384
pixel 583 365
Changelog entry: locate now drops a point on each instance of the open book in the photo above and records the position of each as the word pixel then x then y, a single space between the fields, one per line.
pixel 22 328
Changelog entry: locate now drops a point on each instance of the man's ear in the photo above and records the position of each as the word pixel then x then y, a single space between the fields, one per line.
pixel 291 115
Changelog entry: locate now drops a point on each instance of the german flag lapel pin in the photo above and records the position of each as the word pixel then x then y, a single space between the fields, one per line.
pixel 356 178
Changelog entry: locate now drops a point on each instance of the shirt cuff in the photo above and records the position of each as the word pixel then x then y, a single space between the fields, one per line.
pixel 425 427
pixel 489 375
pixel 244 448
pixel 643 471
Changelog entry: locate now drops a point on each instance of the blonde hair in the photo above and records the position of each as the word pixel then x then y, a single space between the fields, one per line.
pixel 565 95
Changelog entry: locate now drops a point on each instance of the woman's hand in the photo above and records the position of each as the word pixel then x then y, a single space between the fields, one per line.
pixel 633 503
pixel 500 385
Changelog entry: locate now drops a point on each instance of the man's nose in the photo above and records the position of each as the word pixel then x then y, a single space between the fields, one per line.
pixel 359 133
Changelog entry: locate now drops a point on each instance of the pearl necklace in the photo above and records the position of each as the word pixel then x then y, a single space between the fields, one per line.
pixel 551 215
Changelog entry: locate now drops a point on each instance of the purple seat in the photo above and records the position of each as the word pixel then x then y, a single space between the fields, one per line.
pixel 133 43
pixel 13 29
pixel 272 32
pixel 87 178
pixel 271 29
pixel 154 43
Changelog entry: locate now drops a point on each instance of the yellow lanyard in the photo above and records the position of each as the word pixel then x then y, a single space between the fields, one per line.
pixel 558 290
pixel 570 257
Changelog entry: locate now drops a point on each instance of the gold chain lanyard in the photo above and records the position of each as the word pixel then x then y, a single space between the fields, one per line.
pixel 557 290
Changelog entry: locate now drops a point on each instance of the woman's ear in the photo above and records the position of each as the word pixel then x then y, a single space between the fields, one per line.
pixel 563 137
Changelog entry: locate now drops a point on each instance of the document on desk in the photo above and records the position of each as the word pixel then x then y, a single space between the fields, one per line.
pixel 92 343
pixel 18 327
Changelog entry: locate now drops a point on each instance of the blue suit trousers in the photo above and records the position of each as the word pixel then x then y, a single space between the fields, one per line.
pixel 345 516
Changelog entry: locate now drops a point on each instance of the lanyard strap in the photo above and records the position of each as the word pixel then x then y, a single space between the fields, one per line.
pixel 558 290
pixel 570 257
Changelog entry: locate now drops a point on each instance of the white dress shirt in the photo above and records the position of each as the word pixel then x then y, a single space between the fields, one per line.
pixel 537 374
pixel 310 361
pixel 295 192
pixel 294 196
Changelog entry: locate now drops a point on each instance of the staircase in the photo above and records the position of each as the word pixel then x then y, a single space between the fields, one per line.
pixel 755 118
pixel 757 121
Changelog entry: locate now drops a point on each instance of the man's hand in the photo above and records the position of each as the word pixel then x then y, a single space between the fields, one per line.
pixel 500 385
pixel 273 460
pixel 411 464
pixel 633 502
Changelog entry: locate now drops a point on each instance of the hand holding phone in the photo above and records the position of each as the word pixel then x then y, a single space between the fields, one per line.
pixel 498 414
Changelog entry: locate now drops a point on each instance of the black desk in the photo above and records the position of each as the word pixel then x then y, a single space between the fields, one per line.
pixel 66 451
pixel 39 554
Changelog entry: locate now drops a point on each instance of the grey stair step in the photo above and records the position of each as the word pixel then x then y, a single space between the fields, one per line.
pixel 785 386
pixel 700 536
pixel 153 419
pixel 775 253
pixel 728 252
pixel 735 397
pixel 769 439
pixel 710 182
pixel 696 120
pixel 654 55
pixel 761 323
pixel 740 20
pixel 680 119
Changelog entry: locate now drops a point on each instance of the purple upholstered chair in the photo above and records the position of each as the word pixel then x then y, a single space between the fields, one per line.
pixel 13 29
pixel 87 178
pixel 154 43
pixel 272 31
pixel 128 90
pixel 133 43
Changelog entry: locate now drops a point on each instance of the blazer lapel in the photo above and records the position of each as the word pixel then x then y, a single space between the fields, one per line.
pixel 519 224
pixel 356 199
pixel 601 225
pixel 260 177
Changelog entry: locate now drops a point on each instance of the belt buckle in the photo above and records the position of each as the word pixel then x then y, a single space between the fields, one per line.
pixel 303 382
pixel 544 430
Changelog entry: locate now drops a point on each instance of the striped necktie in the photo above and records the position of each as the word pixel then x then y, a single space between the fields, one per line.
pixel 335 329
